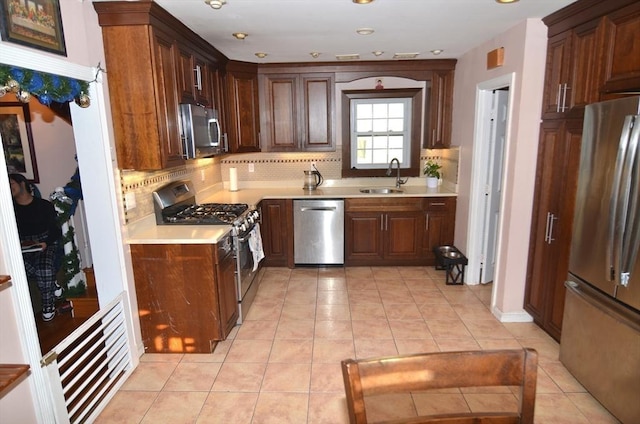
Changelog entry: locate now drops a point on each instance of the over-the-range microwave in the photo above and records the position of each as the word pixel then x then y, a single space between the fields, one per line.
pixel 200 132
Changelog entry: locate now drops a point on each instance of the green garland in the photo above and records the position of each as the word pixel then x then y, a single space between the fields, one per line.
pixel 71 260
pixel 47 88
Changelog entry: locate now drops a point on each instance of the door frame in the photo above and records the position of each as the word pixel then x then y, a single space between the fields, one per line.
pixel 482 131
pixel 98 169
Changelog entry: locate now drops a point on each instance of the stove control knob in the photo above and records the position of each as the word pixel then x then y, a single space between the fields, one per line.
pixel 243 227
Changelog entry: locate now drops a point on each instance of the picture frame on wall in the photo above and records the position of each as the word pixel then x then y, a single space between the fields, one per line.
pixel 17 140
pixel 33 23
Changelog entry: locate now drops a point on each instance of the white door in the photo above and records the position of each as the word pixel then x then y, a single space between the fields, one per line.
pixel 493 184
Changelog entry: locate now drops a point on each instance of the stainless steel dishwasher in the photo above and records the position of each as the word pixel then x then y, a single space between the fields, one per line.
pixel 318 232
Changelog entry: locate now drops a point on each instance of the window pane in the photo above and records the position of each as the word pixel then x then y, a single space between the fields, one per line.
pixel 364 142
pixel 363 125
pixel 380 125
pixel 364 157
pixel 396 153
pixel 396 110
pixel 380 110
pixel 364 110
pixel 380 156
pixel 396 142
pixel 396 125
pixel 380 142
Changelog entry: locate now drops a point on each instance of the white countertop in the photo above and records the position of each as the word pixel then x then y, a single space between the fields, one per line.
pixel 145 231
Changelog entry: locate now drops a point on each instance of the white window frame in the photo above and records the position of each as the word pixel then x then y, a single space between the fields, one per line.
pixel 405 159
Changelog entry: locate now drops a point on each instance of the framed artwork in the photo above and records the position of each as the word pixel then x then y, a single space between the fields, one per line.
pixel 33 23
pixel 17 140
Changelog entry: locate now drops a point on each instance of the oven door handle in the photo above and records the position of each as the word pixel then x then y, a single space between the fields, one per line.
pixel 246 237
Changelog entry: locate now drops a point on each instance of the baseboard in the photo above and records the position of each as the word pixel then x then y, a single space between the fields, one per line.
pixel 522 316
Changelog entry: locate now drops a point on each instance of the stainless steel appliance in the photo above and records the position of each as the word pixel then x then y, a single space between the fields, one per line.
pixel 318 232
pixel 200 132
pixel 175 204
pixel 600 342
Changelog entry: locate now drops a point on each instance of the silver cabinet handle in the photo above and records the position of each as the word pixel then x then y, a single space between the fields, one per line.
pixel 437 204
pixel 553 218
pixel 565 87
pixel 558 94
pixel 546 228
pixel 426 223
pixel 198 77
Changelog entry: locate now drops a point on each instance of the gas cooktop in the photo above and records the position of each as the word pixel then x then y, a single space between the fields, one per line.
pixel 206 214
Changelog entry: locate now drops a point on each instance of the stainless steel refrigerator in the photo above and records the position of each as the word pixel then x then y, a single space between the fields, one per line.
pixel 600 342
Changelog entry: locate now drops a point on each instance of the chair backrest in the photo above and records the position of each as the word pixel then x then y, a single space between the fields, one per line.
pixel 412 373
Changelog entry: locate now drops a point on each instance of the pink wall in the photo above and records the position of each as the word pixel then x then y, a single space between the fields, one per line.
pixel 525 53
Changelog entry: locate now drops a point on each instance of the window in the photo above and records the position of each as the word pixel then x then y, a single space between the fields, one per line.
pixel 379 125
pixel 380 131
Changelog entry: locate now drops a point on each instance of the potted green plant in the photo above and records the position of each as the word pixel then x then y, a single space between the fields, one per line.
pixel 432 172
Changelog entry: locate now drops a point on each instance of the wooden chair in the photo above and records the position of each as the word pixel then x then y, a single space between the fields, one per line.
pixel 412 373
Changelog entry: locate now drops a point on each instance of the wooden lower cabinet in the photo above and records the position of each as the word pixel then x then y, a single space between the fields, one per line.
pixel 383 231
pixel 277 231
pixel 186 296
pixel 552 223
pixel 439 225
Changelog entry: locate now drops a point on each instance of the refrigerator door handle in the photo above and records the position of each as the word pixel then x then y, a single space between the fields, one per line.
pixel 631 186
pixel 618 204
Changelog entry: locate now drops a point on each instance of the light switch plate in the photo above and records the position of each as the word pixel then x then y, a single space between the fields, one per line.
pixel 252 167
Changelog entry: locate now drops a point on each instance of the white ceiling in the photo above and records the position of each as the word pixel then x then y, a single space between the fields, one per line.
pixel 288 30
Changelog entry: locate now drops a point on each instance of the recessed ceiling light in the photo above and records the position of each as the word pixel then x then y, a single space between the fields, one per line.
pixel 377 53
pixel 347 56
pixel 362 1
pixel 405 55
pixel 314 54
pixel 437 51
pixel 365 31
pixel 507 1
pixel 216 4
pixel 261 55
pixel 240 35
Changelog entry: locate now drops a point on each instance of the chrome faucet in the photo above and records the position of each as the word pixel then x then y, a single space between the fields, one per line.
pixel 399 181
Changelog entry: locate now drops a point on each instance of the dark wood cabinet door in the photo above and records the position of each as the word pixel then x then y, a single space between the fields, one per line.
pixel 558 161
pixel 202 82
pixel 437 135
pixel 438 231
pixel 243 130
pixel 277 231
pixel 557 75
pixel 622 58
pixel 403 236
pixel 227 293
pixel 177 299
pixel 280 110
pixel 185 75
pixel 585 69
pixel 318 116
pixel 170 144
pixel 363 237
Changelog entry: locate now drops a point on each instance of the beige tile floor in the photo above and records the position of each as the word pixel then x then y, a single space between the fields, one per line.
pixel 283 364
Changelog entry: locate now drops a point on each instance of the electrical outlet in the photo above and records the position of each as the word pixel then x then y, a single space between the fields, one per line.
pixel 129 201
pixel 252 168
pixel 313 165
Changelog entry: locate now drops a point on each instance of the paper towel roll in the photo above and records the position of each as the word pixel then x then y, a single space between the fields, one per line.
pixel 233 179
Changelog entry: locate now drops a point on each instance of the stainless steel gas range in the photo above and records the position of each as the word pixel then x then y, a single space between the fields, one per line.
pixel 175 204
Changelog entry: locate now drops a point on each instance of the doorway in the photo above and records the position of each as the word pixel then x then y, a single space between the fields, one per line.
pixel 493 111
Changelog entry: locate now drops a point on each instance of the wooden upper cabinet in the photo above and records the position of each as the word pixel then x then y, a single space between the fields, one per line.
pixel 622 47
pixel 150 60
pixel 242 108
pixel 297 111
pixel 572 73
pixel 437 134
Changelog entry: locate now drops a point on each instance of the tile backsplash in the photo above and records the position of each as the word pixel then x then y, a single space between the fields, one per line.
pixel 207 173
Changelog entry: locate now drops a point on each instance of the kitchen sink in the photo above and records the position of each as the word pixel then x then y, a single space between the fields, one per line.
pixel 380 190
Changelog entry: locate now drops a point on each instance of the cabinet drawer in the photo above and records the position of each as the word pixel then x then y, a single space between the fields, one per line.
pixel 439 204
pixel 383 204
